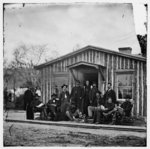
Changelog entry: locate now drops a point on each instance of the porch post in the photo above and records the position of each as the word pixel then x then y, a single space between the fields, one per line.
pixel 100 82
pixel 69 81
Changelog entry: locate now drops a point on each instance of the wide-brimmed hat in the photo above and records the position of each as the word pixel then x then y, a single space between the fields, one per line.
pixel 64 85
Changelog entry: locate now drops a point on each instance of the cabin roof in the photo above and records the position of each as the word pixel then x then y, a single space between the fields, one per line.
pixel 89 47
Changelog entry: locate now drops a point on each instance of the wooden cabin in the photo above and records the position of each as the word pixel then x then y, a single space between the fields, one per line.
pixel 125 71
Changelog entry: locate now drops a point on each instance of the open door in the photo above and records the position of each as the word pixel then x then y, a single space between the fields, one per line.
pixel 86 71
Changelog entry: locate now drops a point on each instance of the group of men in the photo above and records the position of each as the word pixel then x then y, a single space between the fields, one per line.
pixel 90 102
pixel 84 102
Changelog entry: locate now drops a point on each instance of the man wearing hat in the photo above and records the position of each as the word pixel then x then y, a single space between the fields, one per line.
pixel 64 101
pixel 77 94
pixel 53 106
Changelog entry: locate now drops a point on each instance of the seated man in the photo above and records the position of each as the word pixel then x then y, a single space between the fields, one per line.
pixel 127 106
pixel 104 114
pixel 37 105
pixel 53 107
pixel 122 112
pixel 97 104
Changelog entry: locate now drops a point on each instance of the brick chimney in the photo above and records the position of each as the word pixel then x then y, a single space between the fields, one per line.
pixel 126 50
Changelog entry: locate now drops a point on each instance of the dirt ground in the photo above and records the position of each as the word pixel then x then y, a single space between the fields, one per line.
pixel 19 134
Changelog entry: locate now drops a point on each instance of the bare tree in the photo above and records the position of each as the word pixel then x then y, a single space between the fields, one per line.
pixel 25 58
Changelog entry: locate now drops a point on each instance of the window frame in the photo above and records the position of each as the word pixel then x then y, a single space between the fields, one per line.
pixel 121 72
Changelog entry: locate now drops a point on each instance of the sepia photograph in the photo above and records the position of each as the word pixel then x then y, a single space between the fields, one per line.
pixel 75 74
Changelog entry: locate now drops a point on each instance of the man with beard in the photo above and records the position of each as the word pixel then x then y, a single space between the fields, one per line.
pixel 92 94
pixel 86 101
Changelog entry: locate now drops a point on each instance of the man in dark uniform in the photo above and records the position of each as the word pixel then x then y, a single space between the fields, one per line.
pixel 86 101
pixel 110 93
pixel 92 94
pixel 77 96
pixel 28 98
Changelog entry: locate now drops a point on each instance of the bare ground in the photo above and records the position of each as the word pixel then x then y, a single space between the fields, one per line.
pixel 19 134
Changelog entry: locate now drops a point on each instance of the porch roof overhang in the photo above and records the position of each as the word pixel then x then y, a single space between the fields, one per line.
pixel 97 66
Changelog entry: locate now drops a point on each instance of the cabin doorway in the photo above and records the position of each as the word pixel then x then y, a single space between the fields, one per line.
pixel 83 72
pixel 87 73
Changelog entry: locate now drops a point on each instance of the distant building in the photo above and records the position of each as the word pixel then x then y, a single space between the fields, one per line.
pixel 125 71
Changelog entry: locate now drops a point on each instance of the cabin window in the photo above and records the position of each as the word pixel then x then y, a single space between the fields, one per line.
pixel 124 85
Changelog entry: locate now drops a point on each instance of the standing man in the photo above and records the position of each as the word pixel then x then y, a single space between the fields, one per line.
pixel 64 102
pixel 86 101
pixel 77 97
pixel 92 94
pixel 110 93
pixel 5 97
pixel 28 98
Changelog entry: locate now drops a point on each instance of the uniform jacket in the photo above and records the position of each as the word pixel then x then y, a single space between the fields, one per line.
pixel 110 93
pixel 92 95
pixel 28 98
pixel 77 95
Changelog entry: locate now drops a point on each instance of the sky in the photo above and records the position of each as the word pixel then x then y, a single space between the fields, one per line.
pixel 65 27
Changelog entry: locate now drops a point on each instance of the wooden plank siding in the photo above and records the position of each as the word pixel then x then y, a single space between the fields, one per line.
pixel 115 75
pixel 128 63
pixel 107 67
pixel 137 84
pixel 112 71
pixel 145 90
pixel 135 90
pixel 140 89
pixel 46 83
pixel 42 84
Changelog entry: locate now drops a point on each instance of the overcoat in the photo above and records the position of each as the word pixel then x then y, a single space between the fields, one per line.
pixel 77 94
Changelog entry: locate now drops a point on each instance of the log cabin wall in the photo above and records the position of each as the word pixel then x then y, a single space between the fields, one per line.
pixel 57 73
